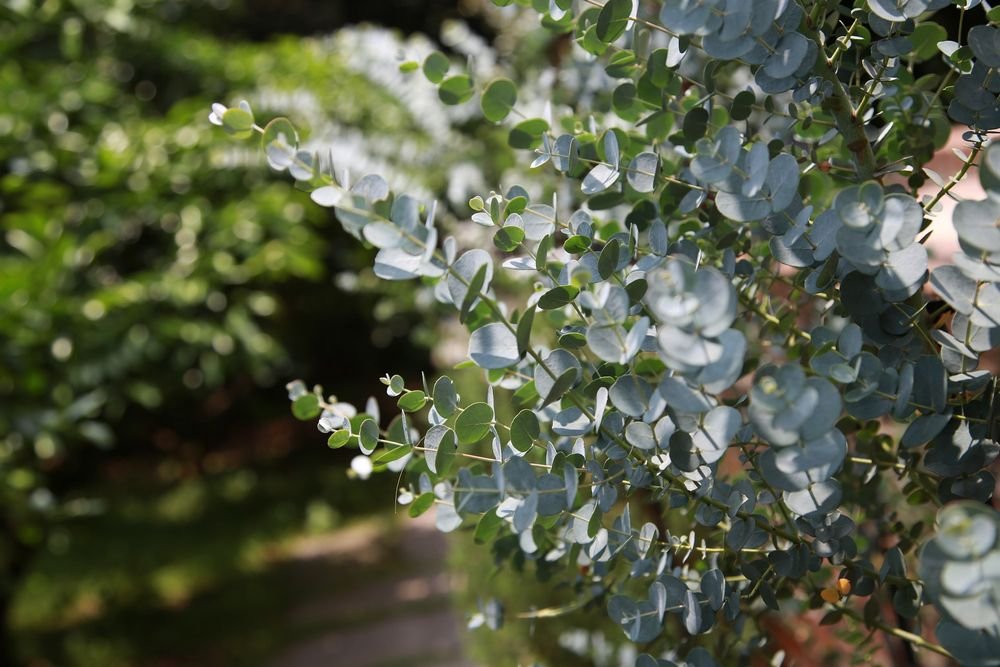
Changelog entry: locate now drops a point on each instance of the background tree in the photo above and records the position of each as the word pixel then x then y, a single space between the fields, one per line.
pixel 149 303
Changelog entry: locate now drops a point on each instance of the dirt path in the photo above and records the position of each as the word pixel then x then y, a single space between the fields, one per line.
pixel 402 619
pixel 428 638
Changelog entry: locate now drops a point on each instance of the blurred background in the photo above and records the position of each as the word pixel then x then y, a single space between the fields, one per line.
pixel 158 288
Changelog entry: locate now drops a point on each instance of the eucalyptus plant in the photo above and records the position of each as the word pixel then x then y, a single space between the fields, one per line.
pixel 737 385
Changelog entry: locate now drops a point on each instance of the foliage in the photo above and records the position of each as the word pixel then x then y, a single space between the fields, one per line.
pixel 109 271
pixel 136 275
pixel 146 295
pixel 714 363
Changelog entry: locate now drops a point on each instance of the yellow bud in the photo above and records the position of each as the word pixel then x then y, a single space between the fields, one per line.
pixel 831 595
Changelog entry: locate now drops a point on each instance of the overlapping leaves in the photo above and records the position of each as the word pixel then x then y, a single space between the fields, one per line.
pixel 640 284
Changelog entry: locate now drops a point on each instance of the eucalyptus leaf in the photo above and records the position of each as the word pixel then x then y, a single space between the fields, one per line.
pixel 498 99
pixel 599 179
pixel 494 346
pixel 643 171
pixel 464 270
pixel 954 287
pixel 612 20
pixel 473 423
pixel 717 431
pixel 524 430
pixel 630 395
pixel 558 365
pixel 445 397
pixel 456 89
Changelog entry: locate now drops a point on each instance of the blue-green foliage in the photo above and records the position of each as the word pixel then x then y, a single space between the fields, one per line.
pixel 136 274
pixel 960 568
pixel 736 333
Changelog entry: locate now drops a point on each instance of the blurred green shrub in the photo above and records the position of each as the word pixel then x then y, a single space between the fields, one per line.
pixel 142 256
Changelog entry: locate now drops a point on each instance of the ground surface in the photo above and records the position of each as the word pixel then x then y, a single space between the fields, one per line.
pixel 253 570
pixel 407 620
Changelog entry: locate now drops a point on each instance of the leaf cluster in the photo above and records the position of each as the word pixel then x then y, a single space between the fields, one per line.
pixel 722 318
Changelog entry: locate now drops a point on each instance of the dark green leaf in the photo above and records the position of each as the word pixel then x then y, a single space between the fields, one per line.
pixel 557 297
pixel 436 66
pixel 572 340
pixel 542 253
pixel 524 430
pixel 390 454
pixel 608 261
pixel 412 401
pixel 487 528
pixel 498 99
pixel 338 439
pixel 474 423
pixel 456 89
pixel 612 20
pixel 472 294
pixel 576 245
pixel 515 205
pixel 562 384
pixel 445 398
pixel 440 449
pixel 621 64
pixel 238 122
pixel 527 133
pixel 508 238
pixel 832 617
pixel 306 407
pixel 695 124
pixel 637 289
pixel 742 105
pixel 526 395
pixel 368 436
pixel 524 330
pixel 925 38
pixel 421 504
